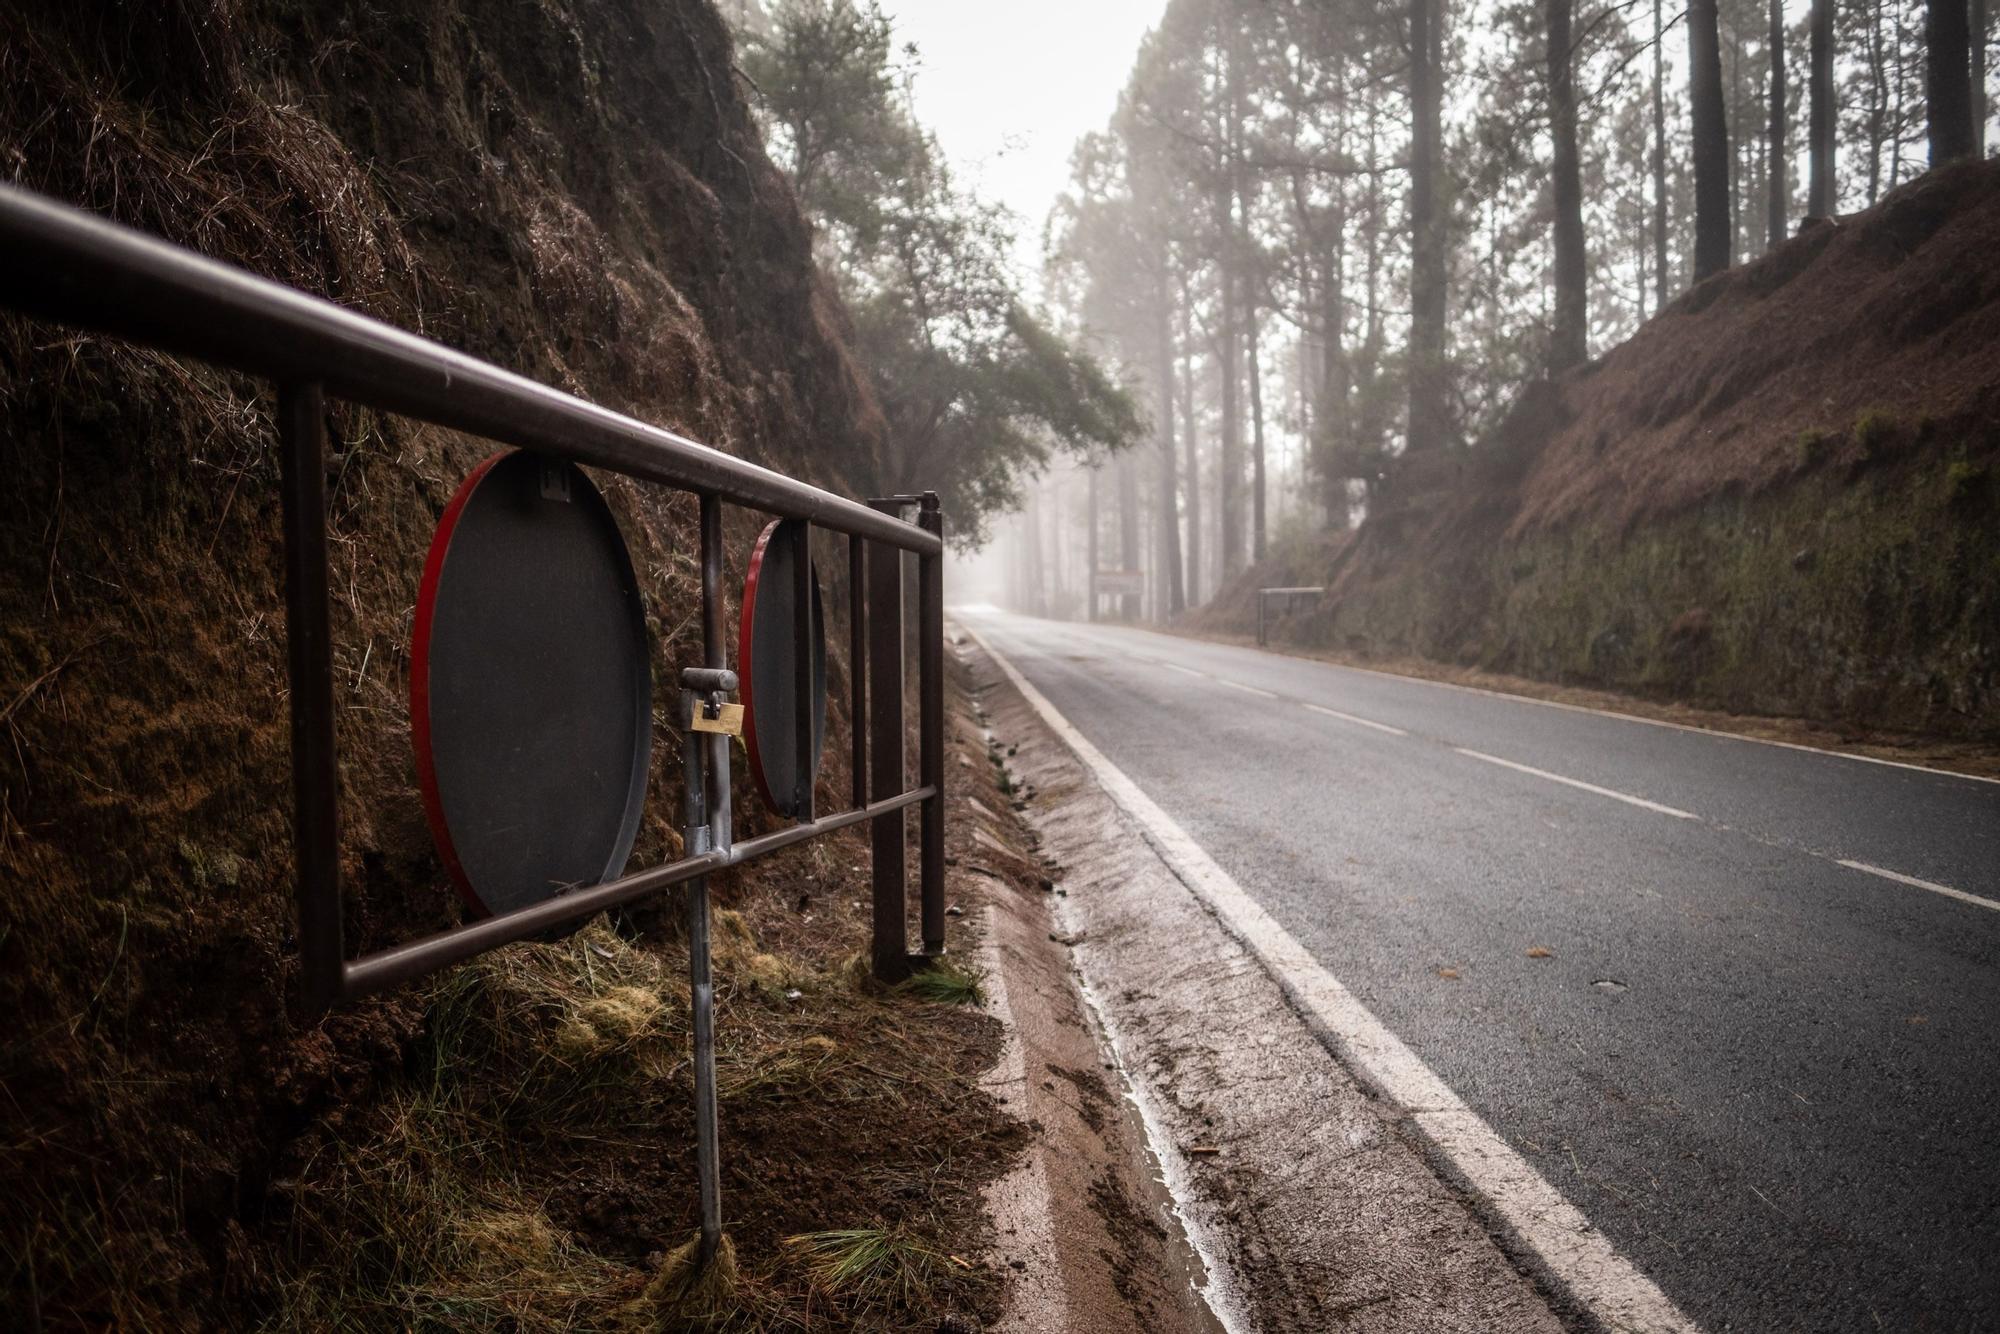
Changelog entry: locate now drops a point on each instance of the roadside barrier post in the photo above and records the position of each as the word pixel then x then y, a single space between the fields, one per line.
pixel 890 944
pixel 930 722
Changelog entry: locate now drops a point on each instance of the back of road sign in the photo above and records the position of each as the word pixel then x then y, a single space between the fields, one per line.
pixel 530 686
pixel 767 657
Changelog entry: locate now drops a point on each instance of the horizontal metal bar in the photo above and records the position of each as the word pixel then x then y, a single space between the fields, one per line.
pixel 70 267
pixel 402 963
pixel 1272 591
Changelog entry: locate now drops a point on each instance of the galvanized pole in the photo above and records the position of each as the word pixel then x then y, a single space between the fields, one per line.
pixel 309 649
pixel 857 662
pixel 930 724
pixel 699 839
pixel 890 946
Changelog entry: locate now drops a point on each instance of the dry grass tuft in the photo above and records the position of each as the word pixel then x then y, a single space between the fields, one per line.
pixel 948 983
pixel 683 1295
pixel 875 1264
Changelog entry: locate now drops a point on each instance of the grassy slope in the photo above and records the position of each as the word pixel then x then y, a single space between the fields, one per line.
pixel 574 189
pixel 1779 496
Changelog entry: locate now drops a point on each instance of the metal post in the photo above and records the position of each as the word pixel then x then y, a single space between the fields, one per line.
pixel 930 724
pixel 802 675
pixel 1260 617
pixel 715 654
pixel 700 837
pixel 309 649
pixel 857 662
pixel 890 953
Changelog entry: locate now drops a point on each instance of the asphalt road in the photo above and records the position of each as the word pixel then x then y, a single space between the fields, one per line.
pixel 1769 1077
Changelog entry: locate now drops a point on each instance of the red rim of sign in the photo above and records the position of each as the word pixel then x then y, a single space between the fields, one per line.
pixel 420 685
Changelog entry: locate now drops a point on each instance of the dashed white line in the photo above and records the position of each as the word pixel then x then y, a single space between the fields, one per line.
pixel 1582 1258
pixel 1931 885
pixel 1248 690
pixel 1186 671
pixel 1359 722
pixel 1627 798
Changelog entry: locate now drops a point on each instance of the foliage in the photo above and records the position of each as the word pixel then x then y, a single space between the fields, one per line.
pixel 978 391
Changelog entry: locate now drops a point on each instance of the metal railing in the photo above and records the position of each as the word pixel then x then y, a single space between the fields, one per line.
pixel 1265 594
pixel 71 268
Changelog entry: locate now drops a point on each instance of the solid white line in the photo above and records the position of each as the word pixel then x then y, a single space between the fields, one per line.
pixel 1186 671
pixel 1579 1256
pixel 1931 885
pixel 1248 690
pixel 1579 783
pixel 1350 718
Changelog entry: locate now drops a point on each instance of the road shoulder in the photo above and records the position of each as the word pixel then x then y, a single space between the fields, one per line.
pixel 1308 1199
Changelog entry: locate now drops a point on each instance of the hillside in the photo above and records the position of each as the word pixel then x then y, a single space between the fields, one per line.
pixel 1779 496
pixel 575 190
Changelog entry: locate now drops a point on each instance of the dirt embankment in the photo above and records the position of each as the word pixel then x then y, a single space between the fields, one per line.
pixel 575 190
pixel 1781 496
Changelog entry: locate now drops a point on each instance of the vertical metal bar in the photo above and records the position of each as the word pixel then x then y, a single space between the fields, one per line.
pixel 705 828
pixel 714 653
pixel 930 725
pixel 857 661
pixel 890 953
pixel 802 675
pixel 309 651
pixel 701 989
pixel 1260 616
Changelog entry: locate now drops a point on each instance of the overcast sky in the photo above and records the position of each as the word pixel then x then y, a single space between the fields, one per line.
pixel 1009 88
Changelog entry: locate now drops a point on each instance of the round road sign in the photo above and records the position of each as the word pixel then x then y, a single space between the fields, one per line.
pixel 767 656
pixel 530 686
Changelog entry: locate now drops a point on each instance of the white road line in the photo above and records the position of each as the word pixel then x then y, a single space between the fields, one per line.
pixel 1576 1253
pixel 1248 690
pixel 1931 885
pixel 1186 671
pixel 1350 718
pixel 1579 783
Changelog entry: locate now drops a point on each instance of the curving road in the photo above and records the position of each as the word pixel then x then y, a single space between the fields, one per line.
pixel 1759 1054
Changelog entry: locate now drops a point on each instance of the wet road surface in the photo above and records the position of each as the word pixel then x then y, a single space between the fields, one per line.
pixel 1754 1045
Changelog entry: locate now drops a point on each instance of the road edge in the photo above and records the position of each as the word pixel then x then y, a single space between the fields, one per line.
pixel 1506 1189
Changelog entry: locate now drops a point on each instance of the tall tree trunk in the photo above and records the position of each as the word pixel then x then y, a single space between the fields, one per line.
pixel 1780 178
pixel 1190 429
pixel 1175 592
pixel 1569 341
pixel 1820 117
pixel 1713 227
pixel 1878 99
pixel 1948 39
pixel 1128 529
pixel 1429 423
pixel 1229 487
pixel 1336 415
pixel 1090 561
pixel 1038 603
pixel 1255 366
pixel 1659 163
pixel 1979 78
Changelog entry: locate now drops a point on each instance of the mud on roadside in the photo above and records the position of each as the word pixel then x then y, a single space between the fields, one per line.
pixel 1084 1233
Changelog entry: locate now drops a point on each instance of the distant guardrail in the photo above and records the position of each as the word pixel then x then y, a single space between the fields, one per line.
pixel 1264 595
